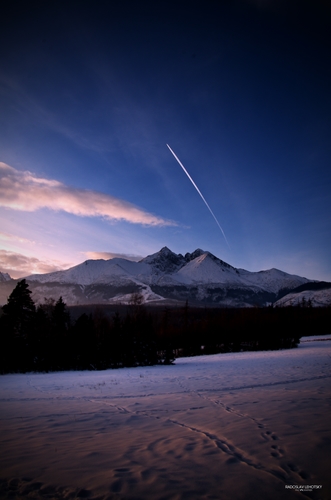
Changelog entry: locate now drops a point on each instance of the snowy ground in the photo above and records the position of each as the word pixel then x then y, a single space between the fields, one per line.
pixel 241 426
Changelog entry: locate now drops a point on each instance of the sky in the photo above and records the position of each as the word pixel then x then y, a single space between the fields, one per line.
pixel 91 93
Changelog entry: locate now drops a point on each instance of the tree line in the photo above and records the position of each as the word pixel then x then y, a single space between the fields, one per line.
pixel 46 338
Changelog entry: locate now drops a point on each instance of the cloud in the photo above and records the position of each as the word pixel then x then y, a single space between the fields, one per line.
pixel 18 265
pixel 24 191
pixel 111 255
pixel 14 238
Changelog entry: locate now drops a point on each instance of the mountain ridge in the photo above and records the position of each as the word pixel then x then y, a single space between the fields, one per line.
pixel 163 277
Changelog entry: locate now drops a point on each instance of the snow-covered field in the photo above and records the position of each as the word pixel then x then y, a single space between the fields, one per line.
pixel 251 425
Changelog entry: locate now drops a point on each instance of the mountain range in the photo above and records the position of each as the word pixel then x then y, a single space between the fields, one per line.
pixel 169 278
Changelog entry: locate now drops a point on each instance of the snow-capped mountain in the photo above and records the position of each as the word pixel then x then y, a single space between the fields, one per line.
pixel 315 294
pixel 4 277
pixel 199 277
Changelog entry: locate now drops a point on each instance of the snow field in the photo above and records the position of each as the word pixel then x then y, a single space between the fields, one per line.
pixel 236 425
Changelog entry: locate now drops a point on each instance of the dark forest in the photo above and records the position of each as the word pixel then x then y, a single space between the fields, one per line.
pixel 52 337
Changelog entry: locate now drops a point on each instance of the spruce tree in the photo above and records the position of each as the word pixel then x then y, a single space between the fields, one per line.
pixel 18 324
pixel 20 307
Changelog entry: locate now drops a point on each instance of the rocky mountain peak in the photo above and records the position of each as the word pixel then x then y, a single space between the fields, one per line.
pixel 165 260
pixel 166 251
pixel 191 256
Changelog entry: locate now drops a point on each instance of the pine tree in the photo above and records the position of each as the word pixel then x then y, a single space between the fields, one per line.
pixel 60 317
pixel 18 323
pixel 20 308
pixel 60 324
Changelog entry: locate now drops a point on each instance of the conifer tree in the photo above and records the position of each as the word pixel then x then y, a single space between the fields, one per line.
pixel 60 317
pixel 18 324
pixel 20 308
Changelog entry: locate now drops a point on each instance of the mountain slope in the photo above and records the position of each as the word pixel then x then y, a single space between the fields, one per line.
pixel 315 294
pixel 4 277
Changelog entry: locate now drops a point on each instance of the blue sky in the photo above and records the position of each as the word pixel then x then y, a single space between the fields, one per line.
pixel 92 91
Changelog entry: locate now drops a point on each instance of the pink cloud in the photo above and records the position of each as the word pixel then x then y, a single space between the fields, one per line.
pixel 24 191
pixel 14 238
pixel 112 255
pixel 18 265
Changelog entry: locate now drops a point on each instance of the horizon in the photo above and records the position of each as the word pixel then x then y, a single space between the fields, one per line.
pixel 91 95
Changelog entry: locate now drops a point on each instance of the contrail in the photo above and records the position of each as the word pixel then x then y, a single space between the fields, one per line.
pixel 196 187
